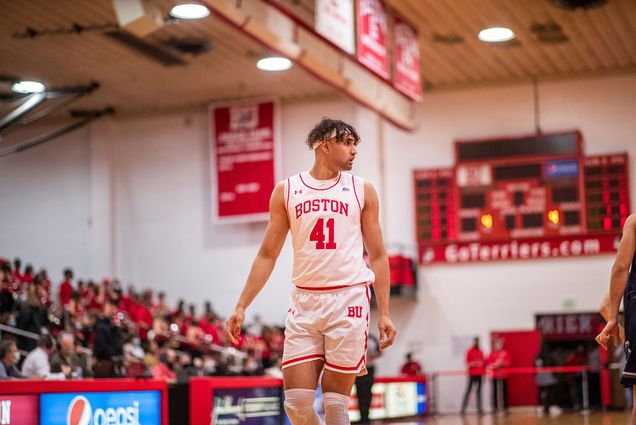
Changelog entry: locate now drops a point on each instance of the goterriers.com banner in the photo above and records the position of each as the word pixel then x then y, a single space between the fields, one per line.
pixel 519 249
pixel 244 141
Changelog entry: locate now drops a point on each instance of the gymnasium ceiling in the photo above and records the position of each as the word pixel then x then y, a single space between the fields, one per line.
pixel 596 41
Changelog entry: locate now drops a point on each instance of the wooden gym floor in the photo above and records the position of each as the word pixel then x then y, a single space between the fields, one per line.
pixel 611 418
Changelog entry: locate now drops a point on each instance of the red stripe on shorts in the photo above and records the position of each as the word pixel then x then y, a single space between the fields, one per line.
pixel 298 359
pixel 345 368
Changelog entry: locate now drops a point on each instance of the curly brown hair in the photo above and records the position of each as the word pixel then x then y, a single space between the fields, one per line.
pixel 328 129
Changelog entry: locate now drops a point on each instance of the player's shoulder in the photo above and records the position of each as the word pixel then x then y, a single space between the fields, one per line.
pixel 630 221
pixel 279 189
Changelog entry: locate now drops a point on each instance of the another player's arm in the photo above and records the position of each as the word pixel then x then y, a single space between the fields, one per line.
pixel 264 262
pixel 378 261
pixel 618 280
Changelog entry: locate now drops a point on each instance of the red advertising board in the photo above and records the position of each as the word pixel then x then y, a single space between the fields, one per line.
pixel 406 59
pixel 372 37
pixel 19 409
pixel 518 249
pixel 243 147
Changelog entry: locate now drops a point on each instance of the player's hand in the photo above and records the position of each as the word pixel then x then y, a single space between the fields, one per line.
pixel 233 325
pixel 610 329
pixel 387 332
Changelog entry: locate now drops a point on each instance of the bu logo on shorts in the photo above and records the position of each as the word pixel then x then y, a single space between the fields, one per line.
pixel 355 311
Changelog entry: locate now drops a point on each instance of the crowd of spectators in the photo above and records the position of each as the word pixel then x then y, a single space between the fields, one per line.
pixel 85 328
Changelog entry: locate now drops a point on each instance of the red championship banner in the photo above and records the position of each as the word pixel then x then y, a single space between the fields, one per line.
pixel 335 22
pixel 244 147
pixel 406 62
pixel 372 37
pixel 519 249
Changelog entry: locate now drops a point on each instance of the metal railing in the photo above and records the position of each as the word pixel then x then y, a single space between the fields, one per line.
pixel 33 336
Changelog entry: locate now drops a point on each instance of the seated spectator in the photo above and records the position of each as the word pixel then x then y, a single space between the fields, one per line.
pixel 65 359
pixel 411 367
pixel 134 357
pixel 9 358
pixel 160 308
pixel 164 369
pixel 36 364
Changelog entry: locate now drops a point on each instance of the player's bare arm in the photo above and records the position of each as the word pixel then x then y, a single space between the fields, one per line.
pixel 618 280
pixel 378 262
pixel 264 262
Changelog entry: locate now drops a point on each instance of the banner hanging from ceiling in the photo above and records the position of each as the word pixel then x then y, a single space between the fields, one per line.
pixel 335 22
pixel 244 149
pixel 406 62
pixel 372 37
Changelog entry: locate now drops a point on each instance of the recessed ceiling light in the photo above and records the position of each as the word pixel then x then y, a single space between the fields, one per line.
pixel 496 34
pixel 28 87
pixel 189 11
pixel 274 63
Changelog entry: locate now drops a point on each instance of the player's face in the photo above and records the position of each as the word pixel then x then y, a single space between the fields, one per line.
pixel 343 153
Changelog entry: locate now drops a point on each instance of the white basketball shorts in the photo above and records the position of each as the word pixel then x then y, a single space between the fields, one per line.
pixel 330 325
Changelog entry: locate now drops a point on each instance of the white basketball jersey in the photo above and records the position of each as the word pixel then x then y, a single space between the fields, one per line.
pixel 324 217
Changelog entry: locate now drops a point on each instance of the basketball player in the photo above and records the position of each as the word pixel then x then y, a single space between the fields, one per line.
pixel 623 284
pixel 331 213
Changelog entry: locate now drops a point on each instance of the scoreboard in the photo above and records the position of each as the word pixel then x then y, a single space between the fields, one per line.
pixel 525 197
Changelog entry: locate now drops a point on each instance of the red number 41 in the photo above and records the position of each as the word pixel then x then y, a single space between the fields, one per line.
pixel 318 234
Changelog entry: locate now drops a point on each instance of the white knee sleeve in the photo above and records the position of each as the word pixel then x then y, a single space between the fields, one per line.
pixel 336 408
pixel 299 406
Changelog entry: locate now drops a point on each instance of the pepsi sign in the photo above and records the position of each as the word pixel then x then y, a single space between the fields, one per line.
pixel 103 408
pixel 557 169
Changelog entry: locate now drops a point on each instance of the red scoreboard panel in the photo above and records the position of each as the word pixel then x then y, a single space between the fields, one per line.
pixel 515 198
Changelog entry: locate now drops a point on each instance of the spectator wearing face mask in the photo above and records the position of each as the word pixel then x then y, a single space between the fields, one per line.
pixel 9 358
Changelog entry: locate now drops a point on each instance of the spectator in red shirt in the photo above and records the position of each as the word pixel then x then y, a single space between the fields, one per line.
pixel 164 370
pixel 66 289
pixel 497 362
pixel 46 285
pixel 475 364
pixel 144 317
pixel 17 274
pixel 27 277
pixel 411 367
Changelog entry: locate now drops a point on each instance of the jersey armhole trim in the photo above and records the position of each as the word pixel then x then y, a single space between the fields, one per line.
pixel 288 190
pixel 355 192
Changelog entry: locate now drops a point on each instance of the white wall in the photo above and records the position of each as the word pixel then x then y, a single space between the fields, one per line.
pixel 45 204
pixel 457 301
pixel 144 184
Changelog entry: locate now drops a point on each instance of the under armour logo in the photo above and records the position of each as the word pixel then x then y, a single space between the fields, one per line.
pixel 296 192
pixel 345 189
pixel 291 310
